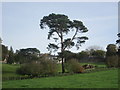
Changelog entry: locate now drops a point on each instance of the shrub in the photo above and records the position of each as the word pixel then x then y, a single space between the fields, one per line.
pixel 111 56
pixel 112 61
pixel 74 66
pixel 31 68
pixel 44 67
pixel 48 67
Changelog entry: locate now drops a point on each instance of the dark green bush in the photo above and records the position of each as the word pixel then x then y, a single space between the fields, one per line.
pixel 111 56
pixel 43 67
pixel 74 66
pixel 112 61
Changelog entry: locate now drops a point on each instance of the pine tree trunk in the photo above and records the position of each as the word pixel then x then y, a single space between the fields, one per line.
pixel 63 69
pixel 62 50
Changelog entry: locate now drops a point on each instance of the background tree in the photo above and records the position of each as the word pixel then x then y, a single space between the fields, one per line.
pixel 60 26
pixel 4 52
pixel 118 53
pixel 111 50
pixel 27 55
pixel 111 56
pixel 10 59
pixel 0 49
pixel 82 55
pixel 68 55
pixel 93 48
pixel 99 53
pixel 118 41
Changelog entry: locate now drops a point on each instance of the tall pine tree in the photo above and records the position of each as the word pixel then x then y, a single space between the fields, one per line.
pixel 59 27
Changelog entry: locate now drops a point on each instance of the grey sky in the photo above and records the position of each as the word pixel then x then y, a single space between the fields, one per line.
pixel 20 22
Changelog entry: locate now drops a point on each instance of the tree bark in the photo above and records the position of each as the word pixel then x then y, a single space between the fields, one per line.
pixel 62 50
pixel 63 69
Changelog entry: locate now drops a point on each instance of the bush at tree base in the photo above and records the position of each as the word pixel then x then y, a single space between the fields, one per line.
pixel 44 67
pixel 112 61
pixel 73 66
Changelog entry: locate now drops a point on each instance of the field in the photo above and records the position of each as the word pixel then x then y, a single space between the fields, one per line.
pixel 100 79
pixel 9 70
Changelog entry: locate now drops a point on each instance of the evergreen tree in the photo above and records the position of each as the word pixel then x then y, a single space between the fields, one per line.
pixel 10 59
pixel 111 56
pixel 60 26
pixel 118 53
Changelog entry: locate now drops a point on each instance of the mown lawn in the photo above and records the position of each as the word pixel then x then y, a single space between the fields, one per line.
pixel 101 79
pixel 9 70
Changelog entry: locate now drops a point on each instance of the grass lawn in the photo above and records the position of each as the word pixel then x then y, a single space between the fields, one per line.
pixel 9 70
pixel 101 79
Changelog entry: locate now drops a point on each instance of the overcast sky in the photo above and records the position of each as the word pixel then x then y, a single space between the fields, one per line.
pixel 20 22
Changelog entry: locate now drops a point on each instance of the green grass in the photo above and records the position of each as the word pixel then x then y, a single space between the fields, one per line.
pixel 102 79
pixel 9 70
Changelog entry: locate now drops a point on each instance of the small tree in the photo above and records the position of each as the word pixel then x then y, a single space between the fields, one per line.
pixel 60 26
pixel 111 56
pixel 4 52
pixel 10 59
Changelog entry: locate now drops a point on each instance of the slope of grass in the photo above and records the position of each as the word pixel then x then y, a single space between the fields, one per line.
pixel 102 79
pixel 9 70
